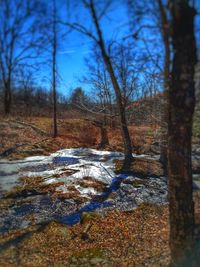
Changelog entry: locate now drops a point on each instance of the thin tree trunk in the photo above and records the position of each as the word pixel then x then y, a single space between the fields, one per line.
pixel 104 137
pixel 104 133
pixel 181 108
pixel 55 130
pixel 7 98
pixel 120 106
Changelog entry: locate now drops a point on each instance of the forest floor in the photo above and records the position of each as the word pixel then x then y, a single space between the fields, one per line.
pixel 22 137
pixel 134 238
pixel 138 237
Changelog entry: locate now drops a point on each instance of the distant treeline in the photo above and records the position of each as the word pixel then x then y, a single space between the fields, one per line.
pixel 37 101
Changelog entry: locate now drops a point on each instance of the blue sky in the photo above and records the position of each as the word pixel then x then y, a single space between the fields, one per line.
pixel 76 46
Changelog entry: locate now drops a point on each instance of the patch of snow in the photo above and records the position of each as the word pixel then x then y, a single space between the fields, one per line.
pixel 96 171
pixel 36 158
pixel 89 163
pixel 50 181
pixel 86 191
pixel 56 171
pixel 152 157
pixel 62 188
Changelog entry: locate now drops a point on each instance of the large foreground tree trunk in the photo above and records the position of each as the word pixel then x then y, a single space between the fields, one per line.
pixel 181 108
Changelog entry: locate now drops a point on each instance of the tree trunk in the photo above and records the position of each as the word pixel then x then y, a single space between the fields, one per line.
pixel 104 132
pixel 7 98
pixel 55 130
pixel 164 123
pixel 121 109
pixel 104 137
pixel 120 106
pixel 181 108
pixel 166 41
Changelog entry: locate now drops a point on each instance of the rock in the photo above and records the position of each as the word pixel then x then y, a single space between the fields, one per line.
pixel 127 188
pixel 136 182
pixel 126 205
pixel 134 191
pixel 196 165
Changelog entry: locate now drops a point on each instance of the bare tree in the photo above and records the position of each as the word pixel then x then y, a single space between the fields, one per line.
pixel 126 71
pixel 18 37
pixel 25 84
pixel 181 108
pixel 151 19
pixel 102 101
pixel 100 42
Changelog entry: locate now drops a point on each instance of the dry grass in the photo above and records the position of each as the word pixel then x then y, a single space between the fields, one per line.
pixel 143 166
pixel 72 133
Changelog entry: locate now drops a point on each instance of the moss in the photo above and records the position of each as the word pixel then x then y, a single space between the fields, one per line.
pixel 150 132
pixel 57 229
pixel 88 217
pixel 90 257
pixel 91 252
pixel 196 128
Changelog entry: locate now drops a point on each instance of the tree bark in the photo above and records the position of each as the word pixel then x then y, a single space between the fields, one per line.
pixel 103 132
pixel 181 108
pixel 166 40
